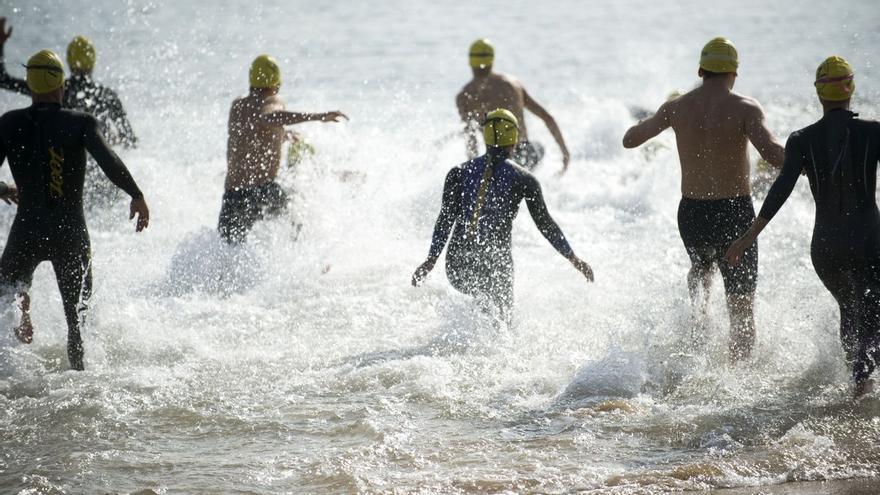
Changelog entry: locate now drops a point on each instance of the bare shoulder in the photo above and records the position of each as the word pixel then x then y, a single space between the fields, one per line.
pixel 748 105
pixel 509 80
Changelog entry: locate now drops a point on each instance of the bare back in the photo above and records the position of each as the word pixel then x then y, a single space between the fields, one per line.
pixel 712 132
pixel 486 93
pixel 253 152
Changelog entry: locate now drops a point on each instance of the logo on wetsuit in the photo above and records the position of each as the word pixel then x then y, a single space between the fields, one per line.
pixel 56 166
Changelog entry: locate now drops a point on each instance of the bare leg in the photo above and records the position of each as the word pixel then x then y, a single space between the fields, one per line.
pixel 700 277
pixel 25 330
pixel 740 308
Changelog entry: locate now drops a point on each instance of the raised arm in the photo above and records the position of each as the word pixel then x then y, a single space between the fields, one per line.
pixel 776 197
pixel 646 129
pixel 549 228
pixel 760 136
pixel 550 122
pixel 449 210
pixel 7 81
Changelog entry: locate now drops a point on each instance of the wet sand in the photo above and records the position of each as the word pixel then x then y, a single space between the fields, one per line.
pixel 864 486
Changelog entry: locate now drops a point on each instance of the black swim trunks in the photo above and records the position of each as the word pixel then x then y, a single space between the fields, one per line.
pixel 528 154
pixel 242 208
pixel 708 227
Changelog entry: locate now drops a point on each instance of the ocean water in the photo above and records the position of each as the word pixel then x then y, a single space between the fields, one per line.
pixel 304 362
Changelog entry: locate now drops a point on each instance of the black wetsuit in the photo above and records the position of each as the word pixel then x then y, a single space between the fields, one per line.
pixel 46 147
pixel 839 155
pixel 480 200
pixel 243 207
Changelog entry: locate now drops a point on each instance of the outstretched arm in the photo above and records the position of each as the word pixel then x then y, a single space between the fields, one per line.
pixel 550 122
pixel 116 171
pixel 776 197
pixel 283 117
pixel 550 229
pixel 443 227
pixel 7 81
pixel 762 139
pixel 646 129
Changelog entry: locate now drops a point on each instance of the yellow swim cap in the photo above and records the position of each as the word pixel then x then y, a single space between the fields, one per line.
pixel 81 54
pixel 834 79
pixel 719 55
pixel 265 72
pixel 501 128
pixel 45 72
pixel 481 54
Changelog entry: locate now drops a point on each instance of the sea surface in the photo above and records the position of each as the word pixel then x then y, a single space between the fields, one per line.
pixel 304 361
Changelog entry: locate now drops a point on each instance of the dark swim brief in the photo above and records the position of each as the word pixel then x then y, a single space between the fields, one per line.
pixel 242 208
pixel 708 227
pixel 528 154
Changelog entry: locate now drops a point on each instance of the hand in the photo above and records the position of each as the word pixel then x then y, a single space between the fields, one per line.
pixel 4 33
pixel 139 207
pixel 566 159
pixel 9 194
pixel 422 271
pixel 582 266
pixel 333 116
pixel 735 252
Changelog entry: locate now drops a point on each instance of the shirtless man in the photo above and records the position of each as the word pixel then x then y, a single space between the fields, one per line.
pixel 713 127
pixel 253 154
pixel 489 90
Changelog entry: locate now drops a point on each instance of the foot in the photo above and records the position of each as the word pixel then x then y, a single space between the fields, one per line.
pixel 25 331
pixel 863 388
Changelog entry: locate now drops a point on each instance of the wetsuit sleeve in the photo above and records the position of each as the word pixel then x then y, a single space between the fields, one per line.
pixel 545 223
pixel 784 184
pixel 120 119
pixel 109 162
pixel 448 212
pixel 9 82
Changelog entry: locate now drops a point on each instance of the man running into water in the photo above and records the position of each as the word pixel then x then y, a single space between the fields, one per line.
pixel 480 200
pixel 839 155
pixel 46 147
pixel 489 90
pixel 713 127
pixel 253 154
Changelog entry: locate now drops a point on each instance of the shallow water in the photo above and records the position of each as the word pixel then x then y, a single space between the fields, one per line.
pixel 304 362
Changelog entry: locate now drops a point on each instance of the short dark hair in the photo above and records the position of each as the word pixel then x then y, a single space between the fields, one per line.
pixel 708 74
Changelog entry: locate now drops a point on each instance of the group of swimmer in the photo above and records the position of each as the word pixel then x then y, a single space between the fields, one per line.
pixel 46 145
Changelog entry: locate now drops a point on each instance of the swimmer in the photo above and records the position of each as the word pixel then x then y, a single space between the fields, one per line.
pixel 489 90
pixel 253 153
pixel 46 147
pixel 713 126
pixel 839 155
pixel 480 200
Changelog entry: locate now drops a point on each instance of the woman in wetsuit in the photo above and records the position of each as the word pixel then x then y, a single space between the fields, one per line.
pixel 480 200
pixel 839 155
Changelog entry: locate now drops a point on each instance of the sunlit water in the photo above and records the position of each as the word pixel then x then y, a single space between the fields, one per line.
pixel 305 362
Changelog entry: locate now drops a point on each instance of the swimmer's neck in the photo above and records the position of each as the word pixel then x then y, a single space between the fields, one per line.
pixel 828 106
pixel 51 97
